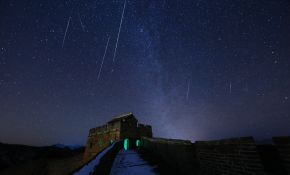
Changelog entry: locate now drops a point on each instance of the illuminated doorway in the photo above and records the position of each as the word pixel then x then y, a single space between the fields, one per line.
pixel 126 144
pixel 138 143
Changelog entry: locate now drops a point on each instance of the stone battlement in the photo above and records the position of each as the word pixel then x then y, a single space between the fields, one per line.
pixel 119 128
pixel 227 156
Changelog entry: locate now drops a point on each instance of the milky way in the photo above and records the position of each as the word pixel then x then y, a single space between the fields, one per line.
pixel 193 69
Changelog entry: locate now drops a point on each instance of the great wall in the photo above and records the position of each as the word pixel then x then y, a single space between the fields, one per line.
pixel 226 156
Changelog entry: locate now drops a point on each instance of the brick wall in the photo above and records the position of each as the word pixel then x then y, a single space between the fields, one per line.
pixel 178 154
pixel 271 160
pixel 283 146
pixel 98 139
pixel 229 156
pixel 106 161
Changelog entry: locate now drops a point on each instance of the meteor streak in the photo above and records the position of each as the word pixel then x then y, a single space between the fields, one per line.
pixel 120 27
pixel 103 58
pixel 67 26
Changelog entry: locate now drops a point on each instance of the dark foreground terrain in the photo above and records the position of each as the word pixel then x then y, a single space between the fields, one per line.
pixel 49 160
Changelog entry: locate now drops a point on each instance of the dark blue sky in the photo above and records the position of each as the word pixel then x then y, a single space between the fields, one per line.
pixel 193 69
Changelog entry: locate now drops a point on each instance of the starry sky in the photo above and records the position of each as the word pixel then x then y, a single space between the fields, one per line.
pixel 193 69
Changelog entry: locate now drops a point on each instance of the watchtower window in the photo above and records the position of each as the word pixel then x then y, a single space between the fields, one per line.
pixel 91 145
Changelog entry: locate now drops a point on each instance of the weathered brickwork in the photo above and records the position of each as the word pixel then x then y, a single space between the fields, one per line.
pixel 178 154
pixel 283 146
pixel 120 127
pixel 229 156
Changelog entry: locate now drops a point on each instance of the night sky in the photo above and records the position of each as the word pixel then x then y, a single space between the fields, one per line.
pixel 193 69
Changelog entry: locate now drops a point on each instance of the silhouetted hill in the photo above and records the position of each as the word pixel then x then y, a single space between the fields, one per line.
pixel 22 158
pixel 72 147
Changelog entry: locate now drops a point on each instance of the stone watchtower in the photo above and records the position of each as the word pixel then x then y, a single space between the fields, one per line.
pixel 121 127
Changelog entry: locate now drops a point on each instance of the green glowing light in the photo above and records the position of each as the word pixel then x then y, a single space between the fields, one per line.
pixel 126 144
pixel 138 143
